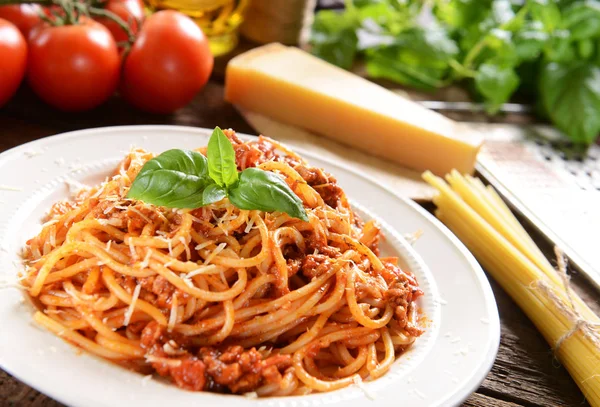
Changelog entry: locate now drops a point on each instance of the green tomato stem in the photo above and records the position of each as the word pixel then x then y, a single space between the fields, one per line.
pixel 101 12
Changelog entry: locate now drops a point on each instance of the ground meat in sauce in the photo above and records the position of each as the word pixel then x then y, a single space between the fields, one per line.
pixel 257 153
pixel 226 369
pixel 160 287
pixel 402 292
pixel 315 265
pixel 325 184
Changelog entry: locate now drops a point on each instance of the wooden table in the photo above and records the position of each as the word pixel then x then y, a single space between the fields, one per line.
pixel 525 372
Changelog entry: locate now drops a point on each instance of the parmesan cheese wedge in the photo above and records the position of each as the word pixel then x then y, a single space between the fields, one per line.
pixel 297 88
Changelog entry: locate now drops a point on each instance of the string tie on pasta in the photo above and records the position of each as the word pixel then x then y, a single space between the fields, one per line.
pixel 589 329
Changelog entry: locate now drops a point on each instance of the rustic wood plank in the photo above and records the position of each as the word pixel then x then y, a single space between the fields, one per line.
pixel 481 400
pixel 14 393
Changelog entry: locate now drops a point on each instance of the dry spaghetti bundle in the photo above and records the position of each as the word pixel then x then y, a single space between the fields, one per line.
pixel 479 217
pixel 223 299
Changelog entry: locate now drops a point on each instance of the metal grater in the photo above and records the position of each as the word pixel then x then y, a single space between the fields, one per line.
pixel 552 184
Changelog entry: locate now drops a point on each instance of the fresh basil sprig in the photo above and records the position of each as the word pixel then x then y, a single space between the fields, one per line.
pixel 177 179
pixel 187 179
pixel 266 191
pixel 221 159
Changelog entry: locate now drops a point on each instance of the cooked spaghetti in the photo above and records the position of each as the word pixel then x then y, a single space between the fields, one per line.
pixel 222 299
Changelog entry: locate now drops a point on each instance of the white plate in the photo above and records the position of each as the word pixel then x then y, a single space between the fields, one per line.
pixel 446 364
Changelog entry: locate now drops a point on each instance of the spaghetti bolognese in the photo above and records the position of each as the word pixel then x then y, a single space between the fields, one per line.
pixel 223 299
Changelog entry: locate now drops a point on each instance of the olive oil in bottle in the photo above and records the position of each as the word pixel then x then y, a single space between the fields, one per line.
pixel 219 19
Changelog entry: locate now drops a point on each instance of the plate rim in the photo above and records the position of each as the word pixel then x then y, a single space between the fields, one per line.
pixel 456 397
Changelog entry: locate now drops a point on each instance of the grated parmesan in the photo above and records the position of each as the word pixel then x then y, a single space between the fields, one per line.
pixel 357 380
pixel 205 244
pixel 188 254
pixel 195 219
pixel 147 219
pixel 131 308
pixel 186 280
pixel 214 253
pixel 146 261
pixel 173 314
pixel 168 362
pixel 202 270
pixel 412 238
pixel 131 249
pixel 52 237
pixel 249 225
pixel 31 153
pixel 50 223
pixel 146 379
pixel 420 394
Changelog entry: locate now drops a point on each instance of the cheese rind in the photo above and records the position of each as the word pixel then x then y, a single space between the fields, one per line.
pixel 295 87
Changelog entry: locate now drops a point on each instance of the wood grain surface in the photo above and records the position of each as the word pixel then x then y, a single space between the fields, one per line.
pixel 525 372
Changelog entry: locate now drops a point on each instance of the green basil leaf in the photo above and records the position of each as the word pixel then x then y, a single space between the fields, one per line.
pixel 213 193
pixel 417 57
pixel 560 48
pixel 333 37
pixel 585 48
pixel 529 41
pixel 546 12
pixel 570 93
pixel 391 17
pixel 175 178
pixel 458 14
pixel 582 19
pixel 221 159
pixel 496 84
pixel 265 191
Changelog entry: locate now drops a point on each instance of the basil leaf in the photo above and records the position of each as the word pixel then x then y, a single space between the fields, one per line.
pixel 496 84
pixel 570 93
pixel 458 14
pixel 265 191
pixel 175 178
pixel 417 57
pixel 582 19
pixel 221 159
pixel 547 12
pixel 529 41
pixel 213 193
pixel 333 37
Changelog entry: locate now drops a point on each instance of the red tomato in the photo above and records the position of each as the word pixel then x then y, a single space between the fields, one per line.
pixel 73 67
pixel 24 16
pixel 131 11
pixel 168 64
pixel 13 60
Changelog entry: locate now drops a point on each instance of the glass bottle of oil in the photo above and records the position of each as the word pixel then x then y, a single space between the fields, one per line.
pixel 219 19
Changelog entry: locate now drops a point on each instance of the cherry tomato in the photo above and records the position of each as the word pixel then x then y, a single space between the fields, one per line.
pixel 168 64
pixel 24 16
pixel 13 60
pixel 73 67
pixel 130 11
